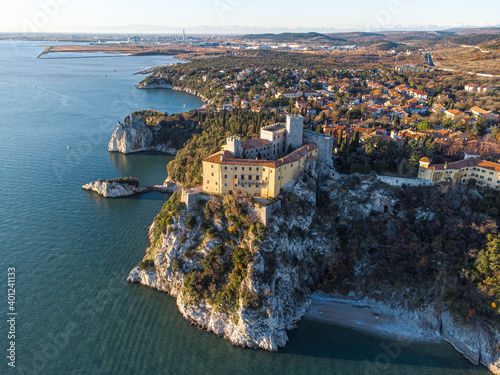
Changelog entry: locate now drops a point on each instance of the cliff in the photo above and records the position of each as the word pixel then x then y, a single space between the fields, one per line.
pixel 253 290
pixel 158 83
pixel 350 235
pixel 152 82
pixel 135 136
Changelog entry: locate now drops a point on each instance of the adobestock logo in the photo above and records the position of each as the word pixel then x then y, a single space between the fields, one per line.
pixel 222 7
pixel 383 17
pixel 49 9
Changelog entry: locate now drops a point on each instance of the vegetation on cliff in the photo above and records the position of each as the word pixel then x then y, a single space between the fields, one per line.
pixel 172 130
pixel 435 248
pixel 124 180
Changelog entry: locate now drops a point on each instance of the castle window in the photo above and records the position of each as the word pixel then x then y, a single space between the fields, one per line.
pixel 235 168
pixel 225 168
pixel 249 177
pixel 216 183
pixel 257 169
pixel 212 174
pixel 225 176
pixel 249 168
pixel 489 179
pixel 491 172
pixel 225 185
pixel 208 182
pixel 211 165
pixel 242 177
pixel 291 165
pixel 242 168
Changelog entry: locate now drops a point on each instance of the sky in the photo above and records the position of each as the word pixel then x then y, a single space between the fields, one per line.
pixel 228 16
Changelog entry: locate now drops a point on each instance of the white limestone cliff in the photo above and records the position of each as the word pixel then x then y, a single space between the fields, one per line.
pixel 136 136
pixel 282 287
pixel 283 269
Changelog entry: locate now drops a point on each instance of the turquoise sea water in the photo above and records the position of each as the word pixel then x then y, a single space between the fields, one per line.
pixel 72 250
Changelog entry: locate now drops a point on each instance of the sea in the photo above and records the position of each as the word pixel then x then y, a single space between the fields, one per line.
pixel 70 250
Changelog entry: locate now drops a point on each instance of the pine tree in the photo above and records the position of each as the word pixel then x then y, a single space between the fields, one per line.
pixel 341 137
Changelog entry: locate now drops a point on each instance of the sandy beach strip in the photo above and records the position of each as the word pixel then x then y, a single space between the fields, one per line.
pixel 366 316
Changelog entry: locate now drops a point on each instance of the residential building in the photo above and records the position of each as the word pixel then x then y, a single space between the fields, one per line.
pixel 485 173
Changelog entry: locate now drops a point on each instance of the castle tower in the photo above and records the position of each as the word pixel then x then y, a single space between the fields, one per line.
pixel 234 146
pixel 294 131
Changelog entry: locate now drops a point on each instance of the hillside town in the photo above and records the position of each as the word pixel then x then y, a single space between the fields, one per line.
pixel 445 113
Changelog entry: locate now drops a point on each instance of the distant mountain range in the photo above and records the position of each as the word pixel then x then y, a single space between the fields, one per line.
pixel 392 38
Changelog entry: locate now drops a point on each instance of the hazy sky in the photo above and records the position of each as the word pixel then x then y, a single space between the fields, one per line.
pixel 132 15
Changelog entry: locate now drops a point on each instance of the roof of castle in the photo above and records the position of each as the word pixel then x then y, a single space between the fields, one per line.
pixel 226 157
pixel 254 143
pixel 274 127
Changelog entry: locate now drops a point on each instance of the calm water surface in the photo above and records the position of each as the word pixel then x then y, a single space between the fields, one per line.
pixel 72 250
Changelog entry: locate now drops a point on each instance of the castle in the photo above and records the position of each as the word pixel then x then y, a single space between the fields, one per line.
pixel 261 167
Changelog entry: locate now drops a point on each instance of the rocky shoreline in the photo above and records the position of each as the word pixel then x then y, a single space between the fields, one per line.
pixel 281 310
pixel 476 342
pixel 162 84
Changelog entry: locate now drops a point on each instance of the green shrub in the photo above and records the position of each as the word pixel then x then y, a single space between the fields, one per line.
pixel 146 264
pixel 191 222
pixel 177 264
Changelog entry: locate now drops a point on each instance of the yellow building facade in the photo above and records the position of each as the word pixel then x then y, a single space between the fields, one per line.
pixel 224 174
pixel 485 173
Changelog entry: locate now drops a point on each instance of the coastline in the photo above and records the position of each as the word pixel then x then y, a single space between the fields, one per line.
pixel 154 86
pixel 367 316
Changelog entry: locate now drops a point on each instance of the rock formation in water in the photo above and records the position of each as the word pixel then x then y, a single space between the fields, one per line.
pixel 115 188
pixel 125 187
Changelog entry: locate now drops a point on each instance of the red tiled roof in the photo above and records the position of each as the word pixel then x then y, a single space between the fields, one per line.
pixel 467 163
pixel 254 143
pixel 225 157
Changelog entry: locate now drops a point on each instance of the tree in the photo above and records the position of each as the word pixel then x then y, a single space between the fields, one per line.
pixel 396 121
pixel 424 125
pixel 354 143
pixel 340 138
pixel 318 129
pixel 480 125
pixel 447 123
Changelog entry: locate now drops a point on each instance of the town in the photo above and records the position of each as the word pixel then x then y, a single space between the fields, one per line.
pixel 384 119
